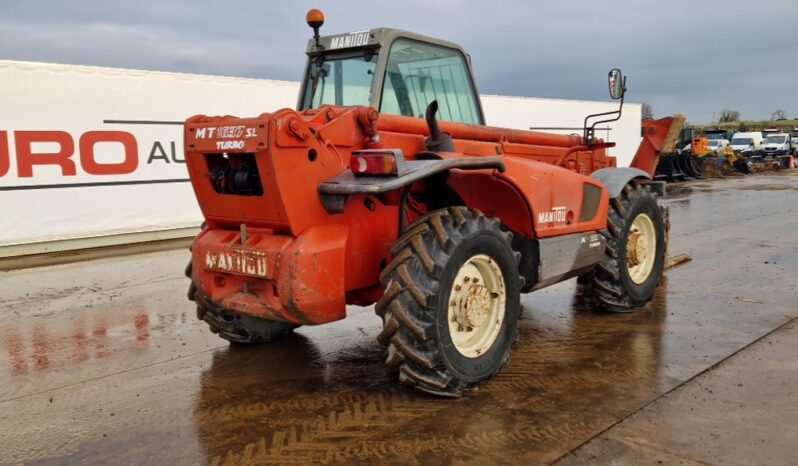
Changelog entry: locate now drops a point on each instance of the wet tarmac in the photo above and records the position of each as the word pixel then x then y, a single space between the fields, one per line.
pixel 104 362
pixel 742 412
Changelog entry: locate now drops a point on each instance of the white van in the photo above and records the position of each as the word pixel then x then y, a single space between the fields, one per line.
pixel 747 143
pixel 776 144
pixel 717 145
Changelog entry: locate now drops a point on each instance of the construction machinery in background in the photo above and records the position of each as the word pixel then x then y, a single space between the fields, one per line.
pixel 385 186
pixel 711 155
pixel 718 154
pixel 679 163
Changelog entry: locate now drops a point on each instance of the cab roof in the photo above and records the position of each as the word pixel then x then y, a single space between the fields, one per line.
pixel 372 38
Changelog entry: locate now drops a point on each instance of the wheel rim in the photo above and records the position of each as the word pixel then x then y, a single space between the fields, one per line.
pixel 477 304
pixel 641 248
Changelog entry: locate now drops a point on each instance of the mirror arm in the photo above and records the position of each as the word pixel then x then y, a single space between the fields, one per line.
pixel 589 132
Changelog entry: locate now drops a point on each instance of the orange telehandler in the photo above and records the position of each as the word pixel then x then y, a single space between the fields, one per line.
pixel 385 186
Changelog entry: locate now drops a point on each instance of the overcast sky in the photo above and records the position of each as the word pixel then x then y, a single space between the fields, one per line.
pixel 694 57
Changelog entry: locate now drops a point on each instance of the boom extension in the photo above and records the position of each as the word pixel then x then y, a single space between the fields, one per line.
pixel 659 136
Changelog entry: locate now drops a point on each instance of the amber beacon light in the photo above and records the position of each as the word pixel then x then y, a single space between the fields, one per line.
pixel 315 19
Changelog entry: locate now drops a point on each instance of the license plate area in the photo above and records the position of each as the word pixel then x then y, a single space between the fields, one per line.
pixel 250 263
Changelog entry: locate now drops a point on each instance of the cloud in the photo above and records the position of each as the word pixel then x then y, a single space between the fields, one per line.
pixel 681 56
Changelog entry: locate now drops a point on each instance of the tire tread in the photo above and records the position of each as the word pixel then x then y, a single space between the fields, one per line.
pixel 603 283
pixel 411 281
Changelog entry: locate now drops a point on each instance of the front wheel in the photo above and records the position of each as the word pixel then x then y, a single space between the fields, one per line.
pixel 632 267
pixel 451 302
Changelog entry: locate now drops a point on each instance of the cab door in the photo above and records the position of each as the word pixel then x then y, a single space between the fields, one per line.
pixel 418 73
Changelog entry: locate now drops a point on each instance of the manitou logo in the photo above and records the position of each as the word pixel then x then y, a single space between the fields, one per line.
pixel 245 263
pixel 353 39
pixel 555 215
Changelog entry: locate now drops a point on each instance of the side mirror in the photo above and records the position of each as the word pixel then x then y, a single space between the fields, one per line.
pixel 617 84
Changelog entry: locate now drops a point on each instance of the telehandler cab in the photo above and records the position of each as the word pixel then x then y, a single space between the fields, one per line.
pixel 385 186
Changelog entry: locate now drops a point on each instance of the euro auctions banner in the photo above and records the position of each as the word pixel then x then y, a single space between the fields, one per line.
pixel 91 152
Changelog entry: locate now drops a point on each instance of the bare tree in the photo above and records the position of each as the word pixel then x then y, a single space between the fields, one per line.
pixel 647 111
pixel 728 116
pixel 779 114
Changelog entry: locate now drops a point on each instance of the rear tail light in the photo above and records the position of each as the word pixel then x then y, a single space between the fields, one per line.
pixel 377 162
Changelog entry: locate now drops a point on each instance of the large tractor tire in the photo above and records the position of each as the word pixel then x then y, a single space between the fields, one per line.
pixel 632 267
pixel 451 302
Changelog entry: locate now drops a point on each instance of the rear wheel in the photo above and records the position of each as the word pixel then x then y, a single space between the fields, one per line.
pixel 451 301
pixel 632 267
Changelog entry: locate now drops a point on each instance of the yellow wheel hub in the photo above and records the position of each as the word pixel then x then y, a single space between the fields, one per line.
pixel 477 303
pixel 641 247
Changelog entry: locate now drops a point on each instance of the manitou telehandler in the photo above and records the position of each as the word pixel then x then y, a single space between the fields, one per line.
pixel 385 186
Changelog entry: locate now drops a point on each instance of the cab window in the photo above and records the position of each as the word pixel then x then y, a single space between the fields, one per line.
pixel 418 73
pixel 340 80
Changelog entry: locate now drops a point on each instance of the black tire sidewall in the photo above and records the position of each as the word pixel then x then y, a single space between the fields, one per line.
pixel 642 292
pixel 472 370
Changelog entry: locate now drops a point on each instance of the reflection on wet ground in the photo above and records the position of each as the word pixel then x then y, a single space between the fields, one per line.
pixel 742 411
pixel 104 362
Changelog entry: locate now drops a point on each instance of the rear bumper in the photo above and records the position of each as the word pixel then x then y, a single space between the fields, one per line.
pixel 275 277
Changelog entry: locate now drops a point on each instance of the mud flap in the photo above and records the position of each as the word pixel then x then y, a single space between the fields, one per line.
pixel 614 179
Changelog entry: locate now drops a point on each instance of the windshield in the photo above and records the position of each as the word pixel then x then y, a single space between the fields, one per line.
pixel 713 142
pixel 775 139
pixel 714 136
pixel 418 73
pixel 343 80
pixel 742 141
